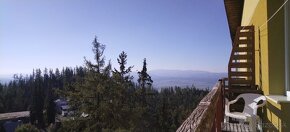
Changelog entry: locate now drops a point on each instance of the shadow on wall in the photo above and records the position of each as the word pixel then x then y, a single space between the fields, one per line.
pixel 277 120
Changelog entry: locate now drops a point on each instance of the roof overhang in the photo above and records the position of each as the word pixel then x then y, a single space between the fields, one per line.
pixel 234 11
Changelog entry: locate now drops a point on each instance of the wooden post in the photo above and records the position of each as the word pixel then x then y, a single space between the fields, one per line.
pixel 219 114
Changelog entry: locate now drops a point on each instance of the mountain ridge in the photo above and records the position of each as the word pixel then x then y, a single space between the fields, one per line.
pixel 183 78
pixel 170 78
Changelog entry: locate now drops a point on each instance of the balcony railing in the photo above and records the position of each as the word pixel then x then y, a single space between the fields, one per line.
pixel 209 114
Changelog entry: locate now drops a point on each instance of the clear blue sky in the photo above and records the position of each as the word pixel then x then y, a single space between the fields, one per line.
pixel 171 34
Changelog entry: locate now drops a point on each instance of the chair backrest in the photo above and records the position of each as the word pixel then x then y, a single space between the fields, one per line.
pixel 251 102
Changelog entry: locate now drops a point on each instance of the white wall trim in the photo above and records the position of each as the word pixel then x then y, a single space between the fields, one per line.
pixel 287 45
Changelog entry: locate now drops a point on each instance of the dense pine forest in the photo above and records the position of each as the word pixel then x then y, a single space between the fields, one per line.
pixel 109 96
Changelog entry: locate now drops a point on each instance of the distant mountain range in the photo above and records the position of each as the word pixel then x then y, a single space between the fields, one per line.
pixel 5 78
pixel 183 78
pixel 167 78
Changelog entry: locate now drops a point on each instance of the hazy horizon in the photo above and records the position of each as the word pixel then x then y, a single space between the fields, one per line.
pixel 133 72
pixel 163 78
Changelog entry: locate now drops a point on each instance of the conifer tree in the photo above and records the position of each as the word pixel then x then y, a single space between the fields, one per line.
pixel 98 50
pixel 37 104
pixel 144 79
pixel 122 92
pixel 123 72
pixel 91 96
pixel 49 100
pixel 2 101
pixel 145 83
pixel 58 77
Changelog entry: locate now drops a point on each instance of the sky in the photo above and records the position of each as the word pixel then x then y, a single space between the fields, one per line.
pixel 170 34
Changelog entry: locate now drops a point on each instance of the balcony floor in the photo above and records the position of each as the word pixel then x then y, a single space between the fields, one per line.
pixel 235 127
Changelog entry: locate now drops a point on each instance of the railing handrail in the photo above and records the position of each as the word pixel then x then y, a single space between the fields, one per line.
pixel 207 116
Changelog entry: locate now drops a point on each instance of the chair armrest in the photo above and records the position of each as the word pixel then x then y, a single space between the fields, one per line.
pixel 261 105
pixel 234 101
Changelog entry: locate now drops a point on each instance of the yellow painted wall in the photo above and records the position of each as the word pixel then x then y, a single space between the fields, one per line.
pixel 258 17
pixel 276 48
pixel 277 117
pixel 269 58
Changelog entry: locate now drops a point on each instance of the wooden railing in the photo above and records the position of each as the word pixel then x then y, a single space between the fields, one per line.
pixel 209 114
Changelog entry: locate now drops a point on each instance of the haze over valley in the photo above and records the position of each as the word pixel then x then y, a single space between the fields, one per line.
pixel 169 78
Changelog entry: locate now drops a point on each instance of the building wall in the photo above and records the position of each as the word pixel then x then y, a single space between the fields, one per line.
pixel 276 43
pixel 269 58
pixel 257 18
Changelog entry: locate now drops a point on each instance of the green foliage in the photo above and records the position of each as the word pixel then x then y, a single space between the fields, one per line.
pixel 98 50
pixel 111 99
pixel 27 128
pixel 144 78
pixel 37 103
pixel 77 124
pixel 144 81
pixel 2 101
pixel 115 103
pixel 123 74
pixel 93 94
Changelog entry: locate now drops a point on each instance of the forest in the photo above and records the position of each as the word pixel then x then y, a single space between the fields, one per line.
pixel 109 96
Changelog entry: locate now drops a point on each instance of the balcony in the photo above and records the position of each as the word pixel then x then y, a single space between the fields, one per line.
pixel 209 114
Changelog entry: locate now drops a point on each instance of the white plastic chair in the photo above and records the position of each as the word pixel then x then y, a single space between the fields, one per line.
pixel 249 113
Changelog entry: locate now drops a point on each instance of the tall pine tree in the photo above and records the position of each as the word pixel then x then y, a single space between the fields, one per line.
pixel 123 72
pixel 91 95
pixel 144 80
pixel 37 101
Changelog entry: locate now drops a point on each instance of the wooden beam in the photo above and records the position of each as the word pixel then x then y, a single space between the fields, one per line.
pixel 203 118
